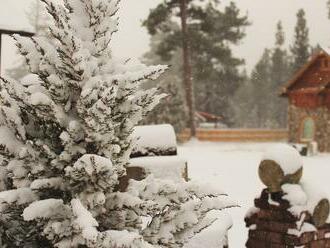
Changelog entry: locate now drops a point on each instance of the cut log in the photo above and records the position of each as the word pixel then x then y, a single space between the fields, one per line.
pixel 272 175
pixel 136 173
pixel 321 213
pixel 154 140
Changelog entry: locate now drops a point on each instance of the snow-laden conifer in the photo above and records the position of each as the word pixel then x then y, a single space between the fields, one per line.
pixel 65 140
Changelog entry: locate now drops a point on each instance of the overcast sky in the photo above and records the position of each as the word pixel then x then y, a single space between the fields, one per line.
pixel 133 41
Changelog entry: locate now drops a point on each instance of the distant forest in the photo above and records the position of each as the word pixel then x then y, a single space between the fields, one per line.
pixel 222 86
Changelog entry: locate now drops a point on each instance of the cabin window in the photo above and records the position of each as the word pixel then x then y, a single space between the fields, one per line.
pixel 326 63
pixel 308 129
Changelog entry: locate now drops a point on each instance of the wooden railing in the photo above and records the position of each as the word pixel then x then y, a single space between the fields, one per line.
pixel 237 135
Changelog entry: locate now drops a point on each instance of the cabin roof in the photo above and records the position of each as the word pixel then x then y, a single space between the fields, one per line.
pixel 322 84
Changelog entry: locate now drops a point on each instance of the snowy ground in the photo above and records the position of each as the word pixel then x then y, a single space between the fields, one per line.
pixel 233 167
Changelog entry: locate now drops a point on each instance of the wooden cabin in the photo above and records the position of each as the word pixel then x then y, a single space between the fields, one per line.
pixel 308 93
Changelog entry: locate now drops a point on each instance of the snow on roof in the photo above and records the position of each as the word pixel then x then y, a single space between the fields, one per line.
pixel 301 72
pixel 285 156
pixel 13 15
pixel 325 48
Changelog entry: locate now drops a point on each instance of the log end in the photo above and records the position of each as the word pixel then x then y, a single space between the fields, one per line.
pixel 321 213
pixel 271 175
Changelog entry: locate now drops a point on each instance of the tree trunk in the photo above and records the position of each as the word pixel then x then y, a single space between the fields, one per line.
pixel 0 51
pixel 187 79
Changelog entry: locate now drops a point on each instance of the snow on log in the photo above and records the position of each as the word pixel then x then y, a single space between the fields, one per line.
pixel 318 204
pixel 154 140
pixel 165 167
pixel 19 19
pixel 304 198
pixel 280 165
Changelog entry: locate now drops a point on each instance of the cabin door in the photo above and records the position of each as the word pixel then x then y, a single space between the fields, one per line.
pixel 308 129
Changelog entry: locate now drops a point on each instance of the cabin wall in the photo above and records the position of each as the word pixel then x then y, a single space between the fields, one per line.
pixel 321 118
pixel 306 100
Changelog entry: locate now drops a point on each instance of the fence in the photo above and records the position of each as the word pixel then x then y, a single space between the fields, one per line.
pixel 237 135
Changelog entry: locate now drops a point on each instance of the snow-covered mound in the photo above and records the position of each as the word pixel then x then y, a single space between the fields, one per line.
pixel 154 140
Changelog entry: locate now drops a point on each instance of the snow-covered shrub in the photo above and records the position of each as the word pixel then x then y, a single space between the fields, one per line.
pixel 65 143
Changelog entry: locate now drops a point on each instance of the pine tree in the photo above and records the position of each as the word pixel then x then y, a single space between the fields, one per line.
pixel 280 73
pixel 259 93
pixel 243 100
pixel 255 99
pixel 172 108
pixel 316 49
pixel 262 85
pixel 261 80
pixel 212 32
pixel 65 144
pixel 300 49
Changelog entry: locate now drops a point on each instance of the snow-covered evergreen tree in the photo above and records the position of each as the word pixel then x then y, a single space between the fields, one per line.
pixel 65 143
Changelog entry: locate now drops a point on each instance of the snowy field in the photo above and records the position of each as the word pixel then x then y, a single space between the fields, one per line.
pixel 233 167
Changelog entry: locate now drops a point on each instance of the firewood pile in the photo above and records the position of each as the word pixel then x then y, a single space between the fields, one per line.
pixel 288 213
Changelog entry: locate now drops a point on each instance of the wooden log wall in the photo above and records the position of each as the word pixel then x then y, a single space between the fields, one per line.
pixel 287 214
pixel 237 135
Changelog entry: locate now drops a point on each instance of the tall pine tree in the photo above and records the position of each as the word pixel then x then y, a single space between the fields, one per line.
pixel 300 49
pixel 172 109
pixel 259 93
pixel 262 85
pixel 254 99
pixel 280 73
pixel 65 145
pixel 212 32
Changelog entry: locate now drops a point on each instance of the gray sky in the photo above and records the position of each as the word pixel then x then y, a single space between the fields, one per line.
pixel 133 41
